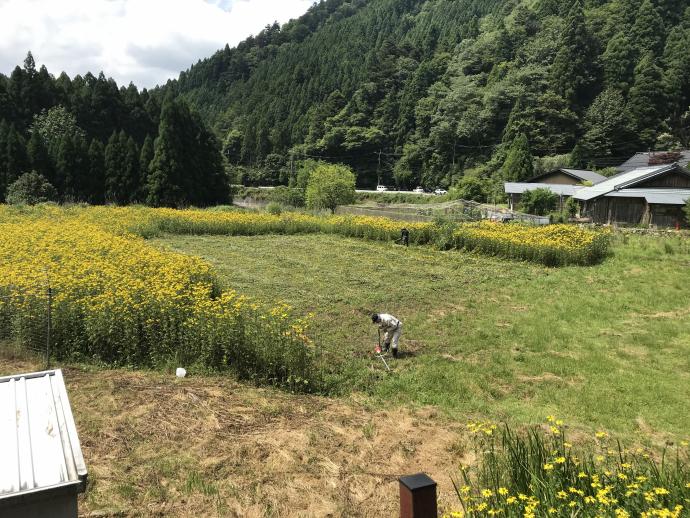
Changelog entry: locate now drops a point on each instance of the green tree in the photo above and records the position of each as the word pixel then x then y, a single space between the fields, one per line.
pixel 122 180
pixel 15 157
pixel 145 158
pixel 471 187
pixel 329 186
pixel 53 124
pixel 607 128
pixel 538 201
pixel 518 165
pixel 647 102
pixel 95 186
pixel 31 188
pixel 573 68
pixel 647 33
pixel 619 62
pixel 37 154
pixel 676 61
pixel 72 168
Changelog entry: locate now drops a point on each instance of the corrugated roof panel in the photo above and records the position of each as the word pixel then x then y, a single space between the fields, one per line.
pixel 560 189
pixel 655 195
pixel 583 174
pixel 642 160
pixel 621 180
pixel 40 448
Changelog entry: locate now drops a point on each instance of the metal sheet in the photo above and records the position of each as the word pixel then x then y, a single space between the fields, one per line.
pixel 560 189
pixel 40 447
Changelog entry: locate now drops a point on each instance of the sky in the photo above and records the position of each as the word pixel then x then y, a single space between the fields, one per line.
pixel 145 42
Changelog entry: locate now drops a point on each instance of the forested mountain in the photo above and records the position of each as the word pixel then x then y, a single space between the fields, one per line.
pixel 411 92
pixel 431 91
pixel 97 142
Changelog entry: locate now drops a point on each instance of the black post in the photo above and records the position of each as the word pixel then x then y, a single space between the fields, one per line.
pixel 50 303
pixel 418 497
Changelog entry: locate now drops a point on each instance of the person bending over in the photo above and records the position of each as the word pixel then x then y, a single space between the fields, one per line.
pixel 392 327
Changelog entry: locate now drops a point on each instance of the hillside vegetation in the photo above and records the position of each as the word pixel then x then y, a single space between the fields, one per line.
pixel 421 91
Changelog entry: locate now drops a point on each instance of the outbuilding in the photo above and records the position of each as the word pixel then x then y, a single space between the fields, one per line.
pixel 562 182
pixel 643 196
pixel 41 465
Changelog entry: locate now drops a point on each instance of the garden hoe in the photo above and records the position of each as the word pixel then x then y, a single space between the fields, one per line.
pixel 379 352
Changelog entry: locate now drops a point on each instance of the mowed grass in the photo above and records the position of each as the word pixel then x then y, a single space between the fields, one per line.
pixel 606 346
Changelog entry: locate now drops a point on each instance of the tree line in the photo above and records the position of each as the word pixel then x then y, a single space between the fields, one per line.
pixel 97 143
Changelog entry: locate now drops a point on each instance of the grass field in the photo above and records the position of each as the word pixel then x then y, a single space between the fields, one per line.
pixel 603 346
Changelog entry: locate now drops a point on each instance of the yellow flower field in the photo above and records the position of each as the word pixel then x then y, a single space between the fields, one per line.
pixel 552 245
pixel 119 300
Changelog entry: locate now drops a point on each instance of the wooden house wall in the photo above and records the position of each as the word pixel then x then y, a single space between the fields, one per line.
pixel 667 215
pixel 621 211
pixel 633 211
pixel 672 180
pixel 556 178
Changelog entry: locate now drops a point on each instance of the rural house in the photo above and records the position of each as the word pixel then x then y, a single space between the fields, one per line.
pixel 654 158
pixel 563 182
pixel 643 196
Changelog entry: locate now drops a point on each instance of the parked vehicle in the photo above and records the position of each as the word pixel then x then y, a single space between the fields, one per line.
pixel 418 190
pixel 440 192
pixel 381 188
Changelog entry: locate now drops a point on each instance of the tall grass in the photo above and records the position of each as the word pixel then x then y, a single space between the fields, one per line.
pixel 539 473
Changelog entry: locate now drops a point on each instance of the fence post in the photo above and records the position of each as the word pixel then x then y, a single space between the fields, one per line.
pixel 418 497
pixel 50 303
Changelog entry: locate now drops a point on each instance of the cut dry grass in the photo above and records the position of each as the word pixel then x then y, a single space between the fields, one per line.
pixel 159 446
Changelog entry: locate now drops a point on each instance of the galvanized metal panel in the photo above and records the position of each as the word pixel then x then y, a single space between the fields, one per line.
pixel 560 189
pixel 622 181
pixel 40 447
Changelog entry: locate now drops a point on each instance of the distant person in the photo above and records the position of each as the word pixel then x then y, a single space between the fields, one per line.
pixel 405 237
pixel 392 327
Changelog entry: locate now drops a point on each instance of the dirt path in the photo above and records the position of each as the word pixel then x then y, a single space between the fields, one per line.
pixel 155 445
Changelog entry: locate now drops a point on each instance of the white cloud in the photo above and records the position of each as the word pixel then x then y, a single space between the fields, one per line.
pixel 143 41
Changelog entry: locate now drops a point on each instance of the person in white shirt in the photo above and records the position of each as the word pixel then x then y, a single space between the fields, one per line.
pixel 392 327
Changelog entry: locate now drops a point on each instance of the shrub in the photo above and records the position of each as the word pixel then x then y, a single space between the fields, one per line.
pixel 274 208
pixel 330 186
pixel 538 201
pixel 571 207
pixel 30 189
pixel 470 188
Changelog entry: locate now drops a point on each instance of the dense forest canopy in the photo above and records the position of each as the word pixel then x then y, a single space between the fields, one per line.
pixel 410 92
pixel 428 91
pixel 96 142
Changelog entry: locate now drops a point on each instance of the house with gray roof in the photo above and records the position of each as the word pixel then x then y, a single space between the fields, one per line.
pixel 562 182
pixel 652 195
pixel 655 158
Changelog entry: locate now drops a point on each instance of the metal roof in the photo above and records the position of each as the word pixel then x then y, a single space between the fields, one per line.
pixel 589 176
pixel 560 189
pixel 639 160
pixel 40 448
pixel 658 196
pixel 578 174
pixel 623 180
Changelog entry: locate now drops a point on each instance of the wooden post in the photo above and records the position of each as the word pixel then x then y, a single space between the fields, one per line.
pixel 418 497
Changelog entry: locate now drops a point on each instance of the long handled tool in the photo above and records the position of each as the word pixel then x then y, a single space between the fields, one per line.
pixel 379 352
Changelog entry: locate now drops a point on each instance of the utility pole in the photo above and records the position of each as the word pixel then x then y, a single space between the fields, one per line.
pixel 378 170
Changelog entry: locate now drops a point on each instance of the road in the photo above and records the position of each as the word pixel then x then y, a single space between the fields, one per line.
pixel 370 191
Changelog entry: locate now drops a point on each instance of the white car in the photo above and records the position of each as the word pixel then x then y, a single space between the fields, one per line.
pixel 381 188
pixel 418 190
pixel 440 192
